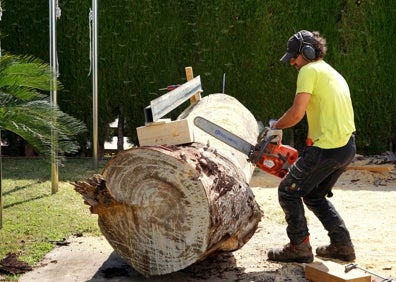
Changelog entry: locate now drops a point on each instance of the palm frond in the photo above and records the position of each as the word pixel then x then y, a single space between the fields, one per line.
pixel 42 126
pixel 26 72
pixel 27 112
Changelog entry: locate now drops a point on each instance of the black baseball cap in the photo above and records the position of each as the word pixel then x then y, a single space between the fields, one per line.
pixel 295 42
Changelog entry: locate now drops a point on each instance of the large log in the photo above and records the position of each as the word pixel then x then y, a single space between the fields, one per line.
pixel 163 208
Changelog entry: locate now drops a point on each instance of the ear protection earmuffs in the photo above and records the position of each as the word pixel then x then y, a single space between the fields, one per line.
pixel 306 49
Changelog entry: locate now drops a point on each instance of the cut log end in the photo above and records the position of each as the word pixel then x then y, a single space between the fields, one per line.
pixel 173 212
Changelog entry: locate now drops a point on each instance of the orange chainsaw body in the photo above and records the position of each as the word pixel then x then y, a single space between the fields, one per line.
pixel 269 154
pixel 277 158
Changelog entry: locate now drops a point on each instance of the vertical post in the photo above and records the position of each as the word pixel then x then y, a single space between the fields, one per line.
pixel 1 154
pixel 53 95
pixel 223 83
pixel 189 76
pixel 94 53
pixel 1 183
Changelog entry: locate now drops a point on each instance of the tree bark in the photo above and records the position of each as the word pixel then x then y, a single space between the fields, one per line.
pixel 163 208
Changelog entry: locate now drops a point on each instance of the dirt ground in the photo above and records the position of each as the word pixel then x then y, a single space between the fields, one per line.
pixel 365 199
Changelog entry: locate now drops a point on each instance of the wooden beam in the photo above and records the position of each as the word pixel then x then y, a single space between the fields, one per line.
pixel 189 75
pixel 165 132
pixel 372 168
pixel 333 272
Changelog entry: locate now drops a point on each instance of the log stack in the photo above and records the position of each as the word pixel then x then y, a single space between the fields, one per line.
pixel 163 208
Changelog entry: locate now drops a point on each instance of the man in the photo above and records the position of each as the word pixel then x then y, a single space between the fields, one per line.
pixel 323 95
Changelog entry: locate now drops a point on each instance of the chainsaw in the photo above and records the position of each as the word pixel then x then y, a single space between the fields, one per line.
pixel 269 154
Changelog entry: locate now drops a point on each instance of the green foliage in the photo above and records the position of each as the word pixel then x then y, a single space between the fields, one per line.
pixel 33 218
pixel 30 114
pixel 145 45
pixel 366 33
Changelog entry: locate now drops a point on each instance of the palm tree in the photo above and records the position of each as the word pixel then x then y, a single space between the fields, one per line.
pixel 27 111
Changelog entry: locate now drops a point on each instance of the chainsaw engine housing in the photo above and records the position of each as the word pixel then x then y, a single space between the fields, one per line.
pixel 277 158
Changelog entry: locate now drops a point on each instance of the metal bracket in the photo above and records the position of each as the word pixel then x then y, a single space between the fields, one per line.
pixel 166 103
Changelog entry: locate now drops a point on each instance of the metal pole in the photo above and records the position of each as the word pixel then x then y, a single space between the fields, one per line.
pixel 1 184
pixel 53 94
pixel 1 157
pixel 224 81
pixel 95 81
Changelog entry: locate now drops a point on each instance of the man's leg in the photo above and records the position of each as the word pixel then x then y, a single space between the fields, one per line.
pixel 325 211
pixel 291 189
pixel 341 246
pixel 304 177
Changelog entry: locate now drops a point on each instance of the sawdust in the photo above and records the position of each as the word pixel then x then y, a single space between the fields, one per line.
pixel 365 199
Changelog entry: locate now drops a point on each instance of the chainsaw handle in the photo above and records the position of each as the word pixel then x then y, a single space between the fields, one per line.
pixel 271 123
pixel 259 150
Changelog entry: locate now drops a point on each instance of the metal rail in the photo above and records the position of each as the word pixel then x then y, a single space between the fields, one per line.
pixel 166 103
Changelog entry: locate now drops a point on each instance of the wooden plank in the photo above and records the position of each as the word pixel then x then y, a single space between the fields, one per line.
pixel 333 272
pixel 164 104
pixel 165 133
pixel 160 121
pixel 190 76
pixel 372 168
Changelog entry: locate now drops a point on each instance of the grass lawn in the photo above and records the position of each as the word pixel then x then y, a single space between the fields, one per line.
pixel 33 218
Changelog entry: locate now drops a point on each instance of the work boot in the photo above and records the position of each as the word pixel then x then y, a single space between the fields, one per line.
pixel 333 251
pixel 301 253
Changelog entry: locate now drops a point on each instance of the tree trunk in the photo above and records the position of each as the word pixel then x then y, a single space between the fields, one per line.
pixel 120 133
pixel 162 208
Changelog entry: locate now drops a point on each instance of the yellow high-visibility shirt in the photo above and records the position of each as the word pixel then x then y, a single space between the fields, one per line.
pixel 329 113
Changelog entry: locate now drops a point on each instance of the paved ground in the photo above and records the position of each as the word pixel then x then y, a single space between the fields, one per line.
pixel 80 261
